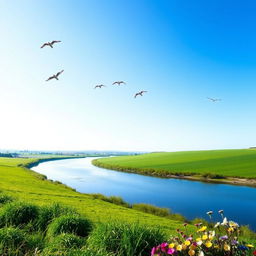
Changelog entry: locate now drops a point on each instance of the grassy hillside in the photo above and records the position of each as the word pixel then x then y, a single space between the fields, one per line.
pixel 27 185
pixel 227 163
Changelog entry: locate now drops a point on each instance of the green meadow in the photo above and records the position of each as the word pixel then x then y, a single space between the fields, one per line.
pixel 212 163
pixel 24 184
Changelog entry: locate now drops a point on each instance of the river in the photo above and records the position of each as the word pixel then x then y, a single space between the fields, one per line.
pixel 190 198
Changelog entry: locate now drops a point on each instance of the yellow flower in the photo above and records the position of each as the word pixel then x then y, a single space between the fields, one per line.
pixel 216 246
pixel 208 244
pixel 202 229
pixel 191 252
pixel 226 247
pixel 204 237
pixel 250 245
pixel 187 243
pixel 171 245
pixel 230 230
pixel 199 241
pixel 179 247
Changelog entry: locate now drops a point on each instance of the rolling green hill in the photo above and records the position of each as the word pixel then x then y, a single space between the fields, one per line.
pixel 20 182
pixel 219 163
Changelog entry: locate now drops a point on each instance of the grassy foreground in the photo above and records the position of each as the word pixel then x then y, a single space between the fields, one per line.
pixel 24 184
pixel 217 164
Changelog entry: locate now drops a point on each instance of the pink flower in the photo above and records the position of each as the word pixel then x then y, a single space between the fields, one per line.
pixel 170 251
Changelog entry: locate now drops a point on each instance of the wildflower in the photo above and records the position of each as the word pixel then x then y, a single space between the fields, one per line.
pixel 191 252
pixel 250 245
pixel 220 211
pixel 202 229
pixel 209 213
pixel 170 251
pixel 198 224
pixel 226 247
pixel 201 253
pixel 224 222
pixel 179 247
pixel 254 252
pixel 224 237
pixel 187 243
pixel 208 244
pixel 204 237
pixel 185 224
pixel 242 248
pixel 199 241
pixel 217 224
pixel 230 230
pixel 171 245
pixel 233 224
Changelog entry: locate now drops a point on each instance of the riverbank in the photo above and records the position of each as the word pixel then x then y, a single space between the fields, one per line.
pixel 27 185
pixel 234 167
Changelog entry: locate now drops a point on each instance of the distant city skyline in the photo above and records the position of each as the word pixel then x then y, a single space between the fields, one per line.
pixel 180 52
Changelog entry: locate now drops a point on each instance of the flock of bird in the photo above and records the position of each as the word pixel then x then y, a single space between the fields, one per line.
pixel 140 93
pixel 56 76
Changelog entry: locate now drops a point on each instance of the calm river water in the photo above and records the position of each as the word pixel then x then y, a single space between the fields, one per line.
pixel 190 198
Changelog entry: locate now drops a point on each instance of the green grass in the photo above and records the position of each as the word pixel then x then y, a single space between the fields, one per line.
pixel 212 163
pixel 19 182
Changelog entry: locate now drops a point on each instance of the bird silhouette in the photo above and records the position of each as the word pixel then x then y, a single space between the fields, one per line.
pixel 99 86
pixel 213 100
pixel 50 43
pixel 119 82
pixel 139 93
pixel 55 76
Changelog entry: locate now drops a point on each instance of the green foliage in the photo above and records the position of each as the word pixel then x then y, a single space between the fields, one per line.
pixel 125 239
pixel 111 199
pixel 18 214
pixel 4 199
pixel 162 212
pixel 70 224
pixel 216 164
pixel 12 241
pixel 49 212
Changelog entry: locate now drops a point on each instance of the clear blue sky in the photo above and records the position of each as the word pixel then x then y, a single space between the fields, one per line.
pixel 179 51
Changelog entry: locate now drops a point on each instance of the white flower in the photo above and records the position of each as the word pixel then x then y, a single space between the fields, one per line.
pixel 217 224
pixel 224 222
pixel 209 213
pixel 201 253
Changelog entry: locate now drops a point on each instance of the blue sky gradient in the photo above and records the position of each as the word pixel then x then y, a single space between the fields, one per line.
pixel 181 52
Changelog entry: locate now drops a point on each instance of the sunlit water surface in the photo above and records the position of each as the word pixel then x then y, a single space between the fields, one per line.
pixel 189 198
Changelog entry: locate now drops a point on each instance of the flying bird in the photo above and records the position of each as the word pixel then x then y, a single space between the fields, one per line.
pixel 99 86
pixel 213 100
pixel 139 93
pixel 50 43
pixel 55 76
pixel 119 82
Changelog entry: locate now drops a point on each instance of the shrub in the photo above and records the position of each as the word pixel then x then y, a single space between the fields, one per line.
pixel 18 213
pixel 50 212
pixel 4 199
pixel 70 224
pixel 124 239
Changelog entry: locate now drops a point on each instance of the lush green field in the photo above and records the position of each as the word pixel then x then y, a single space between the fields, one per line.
pixel 30 186
pixel 228 163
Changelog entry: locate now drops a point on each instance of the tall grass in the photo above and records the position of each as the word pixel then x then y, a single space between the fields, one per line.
pixel 48 213
pixel 125 239
pixel 73 224
pixel 18 214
